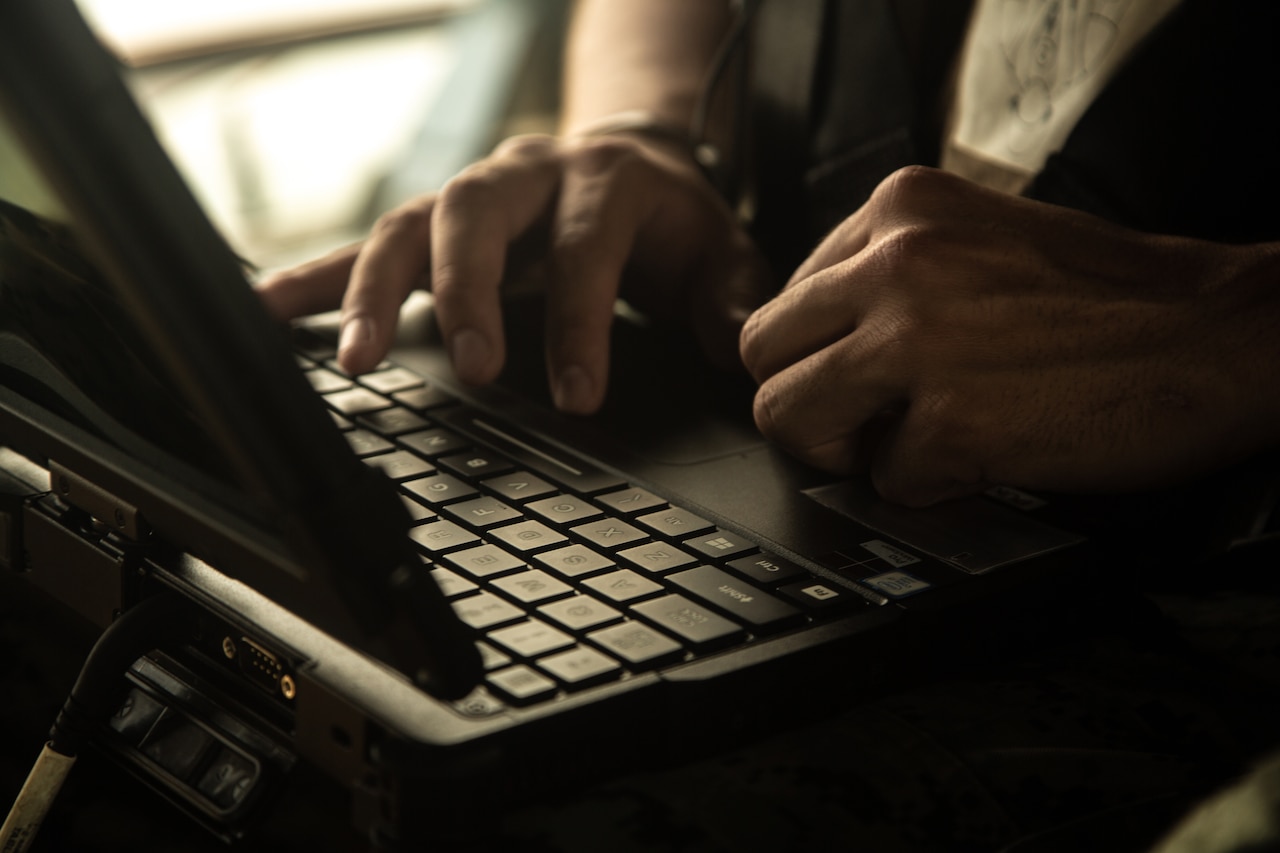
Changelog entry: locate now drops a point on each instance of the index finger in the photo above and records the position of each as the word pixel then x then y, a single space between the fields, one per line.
pixel 390 265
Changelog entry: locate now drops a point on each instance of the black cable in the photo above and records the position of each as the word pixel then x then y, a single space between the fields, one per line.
pixel 96 695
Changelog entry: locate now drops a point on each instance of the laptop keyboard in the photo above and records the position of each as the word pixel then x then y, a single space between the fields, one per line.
pixel 570 575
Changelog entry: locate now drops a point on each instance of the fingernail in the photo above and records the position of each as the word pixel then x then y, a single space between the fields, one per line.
pixel 470 353
pixel 574 390
pixel 355 337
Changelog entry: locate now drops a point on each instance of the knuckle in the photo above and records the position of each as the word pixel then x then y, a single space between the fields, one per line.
pixel 910 242
pixel 469 190
pixel 904 263
pixel 900 251
pixel 890 346
pixel 910 184
pixel 406 220
pixel 525 145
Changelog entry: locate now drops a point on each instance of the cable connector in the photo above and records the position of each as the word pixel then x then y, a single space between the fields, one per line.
pixel 97 693
pixel 37 795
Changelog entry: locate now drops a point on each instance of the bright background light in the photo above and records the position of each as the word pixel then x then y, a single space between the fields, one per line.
pixel 297 121
pixel 144 31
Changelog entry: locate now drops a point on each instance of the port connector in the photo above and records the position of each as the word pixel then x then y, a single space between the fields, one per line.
pixel 260 666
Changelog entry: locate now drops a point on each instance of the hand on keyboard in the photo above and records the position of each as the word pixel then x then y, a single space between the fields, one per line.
pixel 606 211
pixel 951 337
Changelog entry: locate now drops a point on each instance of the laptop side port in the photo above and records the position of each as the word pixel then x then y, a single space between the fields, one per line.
pixel 200 749
pixel 260 666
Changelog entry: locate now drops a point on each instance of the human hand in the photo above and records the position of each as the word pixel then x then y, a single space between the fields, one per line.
pixel 620 216
pixel 948 338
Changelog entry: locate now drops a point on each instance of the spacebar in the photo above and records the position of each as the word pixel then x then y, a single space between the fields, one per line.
pixel 535 454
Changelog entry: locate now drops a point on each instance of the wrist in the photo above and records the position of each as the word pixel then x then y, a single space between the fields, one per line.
pixel 667 137
pixel 640 122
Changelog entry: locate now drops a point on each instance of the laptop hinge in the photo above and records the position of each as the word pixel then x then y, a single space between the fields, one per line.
pixel 117 515
pixel 80 545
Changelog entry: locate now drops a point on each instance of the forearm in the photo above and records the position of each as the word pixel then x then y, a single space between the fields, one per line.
pixel 649 55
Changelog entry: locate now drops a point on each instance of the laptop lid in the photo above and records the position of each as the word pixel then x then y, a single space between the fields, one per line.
pixel 307 523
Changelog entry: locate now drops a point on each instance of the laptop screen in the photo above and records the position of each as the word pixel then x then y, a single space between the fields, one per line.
pixel 67 342
pixel 162 350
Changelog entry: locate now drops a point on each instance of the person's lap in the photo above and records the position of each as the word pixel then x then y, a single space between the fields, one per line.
pixel 1113 734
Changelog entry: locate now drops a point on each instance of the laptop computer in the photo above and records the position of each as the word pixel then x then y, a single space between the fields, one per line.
pixel 424 593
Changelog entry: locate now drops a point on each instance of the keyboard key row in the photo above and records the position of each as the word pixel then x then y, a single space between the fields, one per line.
pixel 638 620
pixel 572 575
pixel 532 587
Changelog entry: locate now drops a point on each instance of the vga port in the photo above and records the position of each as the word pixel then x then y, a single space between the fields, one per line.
pixel 260 666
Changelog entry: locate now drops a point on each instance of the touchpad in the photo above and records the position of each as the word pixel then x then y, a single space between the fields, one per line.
pixel 974 534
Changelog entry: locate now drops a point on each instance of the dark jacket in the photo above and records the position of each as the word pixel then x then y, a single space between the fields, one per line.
pixel 1184 139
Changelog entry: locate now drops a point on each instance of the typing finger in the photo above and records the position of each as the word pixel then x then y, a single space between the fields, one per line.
pixel 802 320
pixel 476 218
pixel 602 204
pixel 390 265
pixel 829 408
